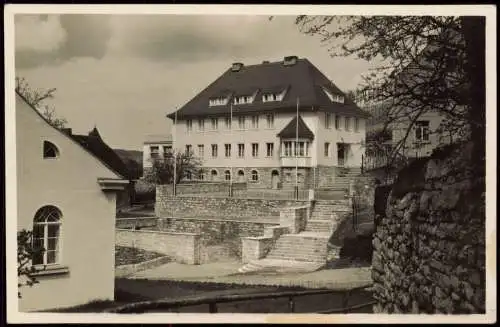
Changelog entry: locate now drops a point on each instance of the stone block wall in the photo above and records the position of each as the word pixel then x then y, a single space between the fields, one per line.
pixel 429 248
pixel 181 247
pixel 325 176
pixel 202 188
pixel 220 208
pixel 294 219
pixel 216 232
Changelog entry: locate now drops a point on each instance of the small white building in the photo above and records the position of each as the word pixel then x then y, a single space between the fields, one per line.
pixel 257 143
pixel 67 197
pixel 155 146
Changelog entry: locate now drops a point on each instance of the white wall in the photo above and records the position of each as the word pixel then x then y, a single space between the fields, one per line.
pixel 400 129
pixel 262 135
pixel 334 136
pixel 69 183
pixel 146 152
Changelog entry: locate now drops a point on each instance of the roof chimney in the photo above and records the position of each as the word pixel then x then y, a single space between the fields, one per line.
pixel 290 60
pixel 236 66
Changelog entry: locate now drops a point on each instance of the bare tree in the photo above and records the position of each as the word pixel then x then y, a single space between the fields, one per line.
pixel 424 67
pixel 162 171
pixel 37 98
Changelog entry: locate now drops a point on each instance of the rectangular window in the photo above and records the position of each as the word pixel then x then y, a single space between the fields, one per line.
pixel 337 122
pixel 300 149
pixel 155 151
pixel 201 150
pixel 287 147
pixel 214 150
pixel 356 124
pixel 327 119
pixel 347 121
pixel 167 149
pixel 255 150
pixel 227 150
pixel 327 149
pixel 189 149
pixel 269 149
pixel 422 131
pixel 227 122
pixel 189 125
pixel 201 125
pixel 255 121
pixel 215 123
pixel 270 120
pixel 241 122
pixel 241 150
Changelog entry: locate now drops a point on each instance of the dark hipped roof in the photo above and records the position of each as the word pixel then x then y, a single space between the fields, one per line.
pixel 302 80
pixel 95 144
pixel 290 130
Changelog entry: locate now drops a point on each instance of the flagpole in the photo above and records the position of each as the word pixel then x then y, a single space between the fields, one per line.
pixel 296 154
pixel 230 156
pixel 175 152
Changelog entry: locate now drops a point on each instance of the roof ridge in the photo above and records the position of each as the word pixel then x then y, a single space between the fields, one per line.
pixel 69 137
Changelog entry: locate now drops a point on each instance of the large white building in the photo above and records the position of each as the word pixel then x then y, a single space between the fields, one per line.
pixel 245 125
pixel 67 196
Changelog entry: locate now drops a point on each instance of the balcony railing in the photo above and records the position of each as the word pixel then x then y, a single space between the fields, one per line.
pixel 299 161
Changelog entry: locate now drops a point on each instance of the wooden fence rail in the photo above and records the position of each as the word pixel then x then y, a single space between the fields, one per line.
pixel 212 301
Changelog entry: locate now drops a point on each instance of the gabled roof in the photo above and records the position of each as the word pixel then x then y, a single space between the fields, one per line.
pixel 96 145
pixel 302 80
pixel 290 130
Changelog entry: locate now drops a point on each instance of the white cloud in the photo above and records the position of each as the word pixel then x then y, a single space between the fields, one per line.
pixel 37 34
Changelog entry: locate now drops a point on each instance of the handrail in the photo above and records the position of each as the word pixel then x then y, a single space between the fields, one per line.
pixel 165 304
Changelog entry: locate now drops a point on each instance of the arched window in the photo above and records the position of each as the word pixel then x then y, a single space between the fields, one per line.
pixel 189 175
pixel 227 175
pixel 255 176
pixel 241 173
pixel 50 150
pixel 213 173
pixel 46 235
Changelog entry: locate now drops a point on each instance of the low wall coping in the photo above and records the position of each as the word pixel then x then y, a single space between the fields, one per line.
pixel 135 218
pixel 228 220
pixel 299 207
pixel 154 231
pixel 257 238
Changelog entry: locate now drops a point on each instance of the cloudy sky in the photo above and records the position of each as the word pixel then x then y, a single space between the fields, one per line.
pixel 124 73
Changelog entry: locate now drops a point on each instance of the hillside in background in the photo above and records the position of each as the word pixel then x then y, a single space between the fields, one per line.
pixel 133 160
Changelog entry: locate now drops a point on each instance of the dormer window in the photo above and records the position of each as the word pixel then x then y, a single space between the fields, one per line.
pixel 50 150
pixel 334 97
pixel 272 97
pixel 243 99
pixel 218 101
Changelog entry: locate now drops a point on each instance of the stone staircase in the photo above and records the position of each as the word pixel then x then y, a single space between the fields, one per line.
pixel 306 250
pixel 344 176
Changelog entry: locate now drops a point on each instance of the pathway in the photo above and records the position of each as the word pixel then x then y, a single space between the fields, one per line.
pixel 227 272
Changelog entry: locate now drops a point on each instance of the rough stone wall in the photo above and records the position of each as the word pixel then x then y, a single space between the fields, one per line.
pixel 429 249
pixel 217 207
pixel 202 188
pixel 215 232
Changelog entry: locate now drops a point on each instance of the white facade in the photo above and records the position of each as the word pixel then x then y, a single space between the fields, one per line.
pixel 81 267
pixel 155 146
pixel 264 134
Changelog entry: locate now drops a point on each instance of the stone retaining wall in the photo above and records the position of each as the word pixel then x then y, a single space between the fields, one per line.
pixel 217 207
pixel 181 247
pixel 429 249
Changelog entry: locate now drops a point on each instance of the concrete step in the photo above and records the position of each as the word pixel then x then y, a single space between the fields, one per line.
pixel 324 226
pixel 280 266
pixel 305 246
